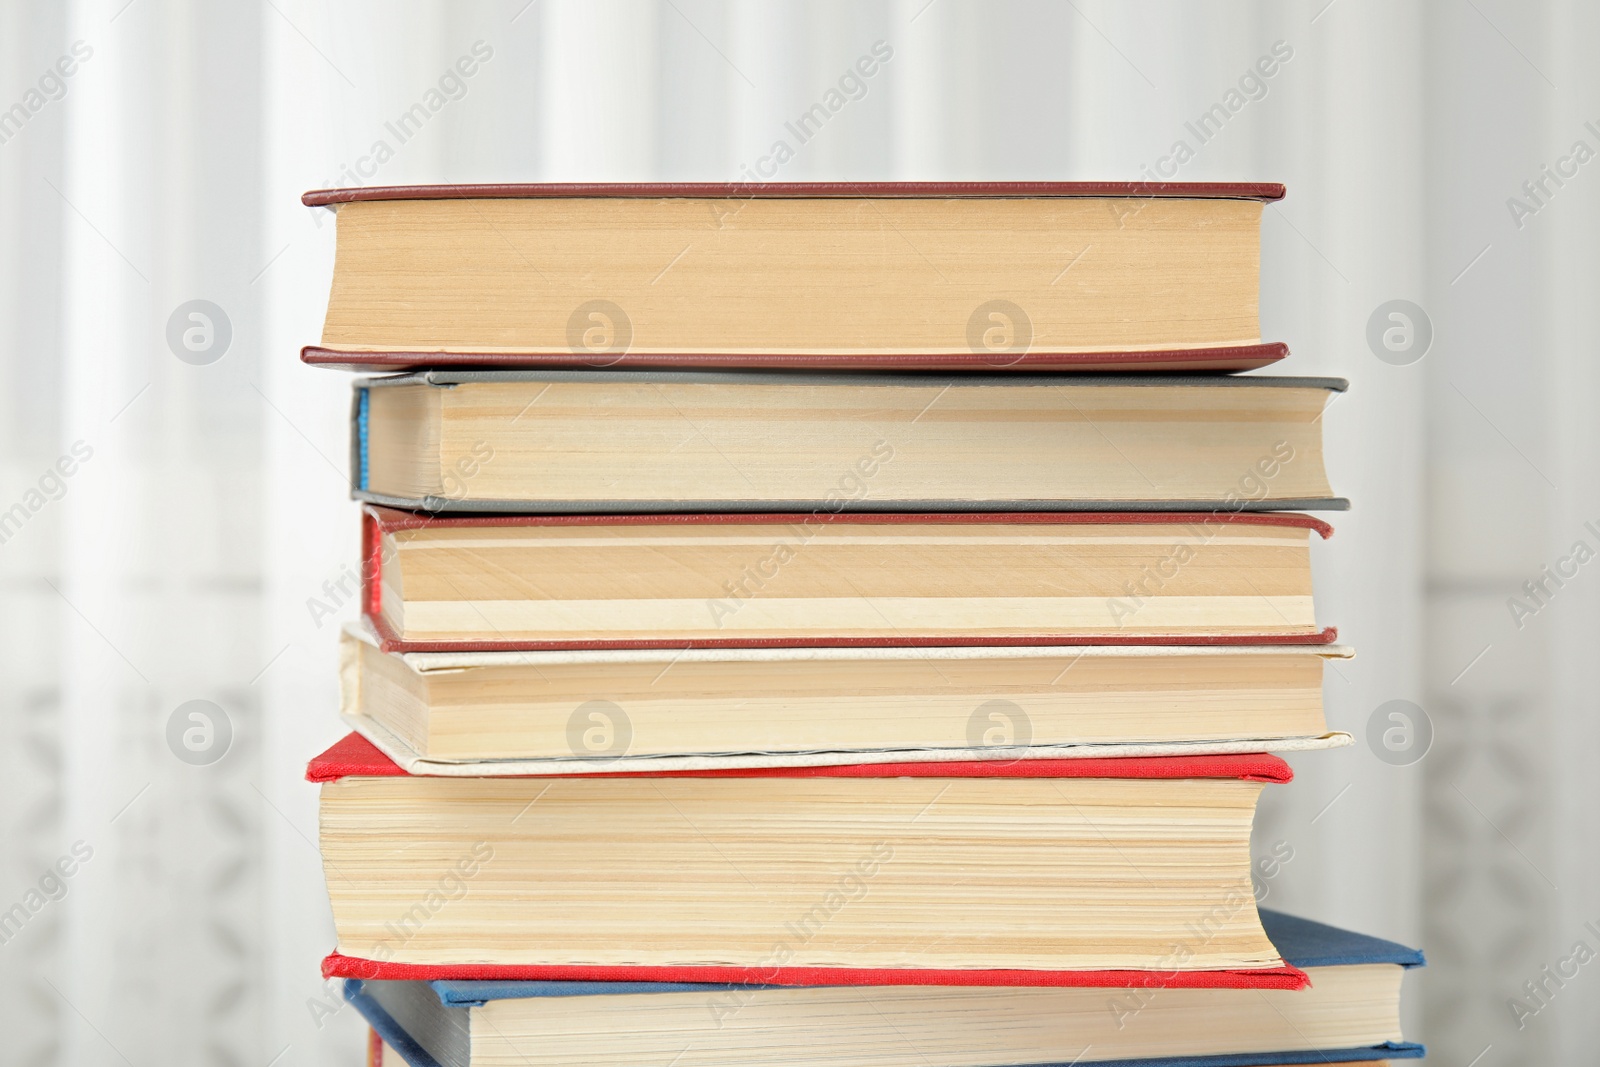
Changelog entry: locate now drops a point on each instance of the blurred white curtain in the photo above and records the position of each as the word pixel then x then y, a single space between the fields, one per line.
pixel 182 560
pixel 1514 485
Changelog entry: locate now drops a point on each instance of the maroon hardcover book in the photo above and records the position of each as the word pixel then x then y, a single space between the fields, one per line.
pixel 1222 356
pixel 378 521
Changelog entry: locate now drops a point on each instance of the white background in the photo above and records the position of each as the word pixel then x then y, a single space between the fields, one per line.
pixel 179 561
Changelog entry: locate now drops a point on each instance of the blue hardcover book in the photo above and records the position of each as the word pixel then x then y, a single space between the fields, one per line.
pixel 1350 1014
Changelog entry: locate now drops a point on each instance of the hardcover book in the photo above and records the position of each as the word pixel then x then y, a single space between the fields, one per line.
pixel 848 579
pixel 657 441
pixel 1088 870
pixel 947 275
pixel 1349 1014
pixel 561 712
pixel 434 583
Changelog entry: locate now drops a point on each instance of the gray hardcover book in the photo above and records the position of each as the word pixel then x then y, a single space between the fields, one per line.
pixel 640 442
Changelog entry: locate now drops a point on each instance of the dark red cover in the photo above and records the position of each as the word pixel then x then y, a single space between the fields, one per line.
pixel 353 756
pixel 1164 361
pixel 338 965
pixel 800 190
pixel 1216 359
pixel 379 520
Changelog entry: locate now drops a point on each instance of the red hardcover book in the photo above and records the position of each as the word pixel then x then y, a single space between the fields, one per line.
pixel 725 575
pixel 987 831
pixel 1042 276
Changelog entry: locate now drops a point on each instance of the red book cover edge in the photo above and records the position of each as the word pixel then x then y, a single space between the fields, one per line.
pixel 338 965
pixel 355 756
pixel 800 190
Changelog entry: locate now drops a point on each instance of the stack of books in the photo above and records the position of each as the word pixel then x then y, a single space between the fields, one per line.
pixel 827 624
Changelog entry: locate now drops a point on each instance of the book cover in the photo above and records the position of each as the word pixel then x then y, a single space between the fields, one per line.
pixel 1224 359
pixel 1263 191
pixel 355 756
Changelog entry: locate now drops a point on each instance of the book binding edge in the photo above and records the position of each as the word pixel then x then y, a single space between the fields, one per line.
pixel 1219 359
pixel 1141 190
pixel 354 756
pixel 1279 976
